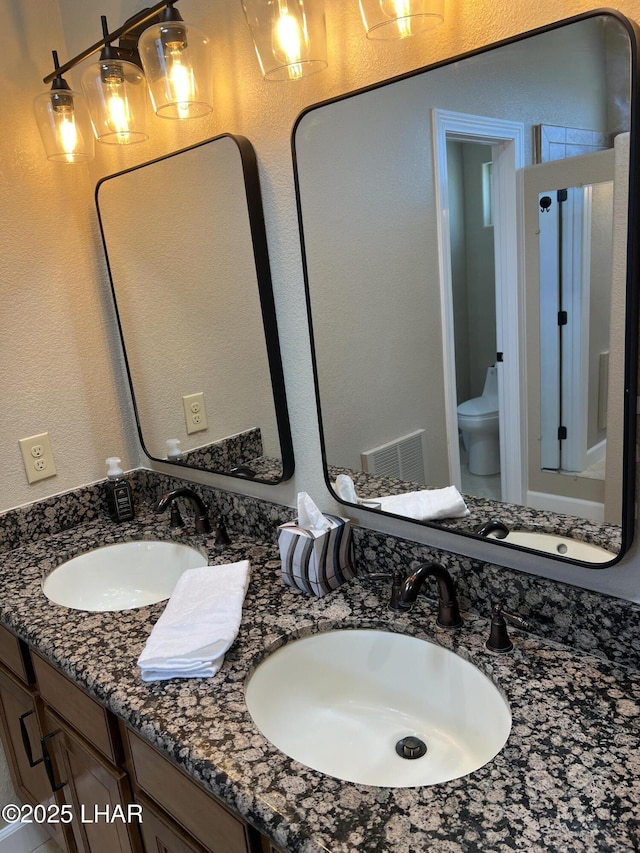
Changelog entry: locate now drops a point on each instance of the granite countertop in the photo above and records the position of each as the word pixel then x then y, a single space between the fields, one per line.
pixel 567 779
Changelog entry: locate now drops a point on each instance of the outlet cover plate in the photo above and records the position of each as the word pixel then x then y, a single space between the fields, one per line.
pixel 195 413
pixel 37 456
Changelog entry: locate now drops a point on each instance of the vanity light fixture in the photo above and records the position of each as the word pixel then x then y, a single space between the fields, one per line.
pixel 177 64
pixel 63 121
pixel 116 94
pixel 290 37
pixel 175 59
pixel 398 19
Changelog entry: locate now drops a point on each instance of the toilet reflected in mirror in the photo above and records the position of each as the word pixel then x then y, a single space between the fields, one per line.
pixel 478 422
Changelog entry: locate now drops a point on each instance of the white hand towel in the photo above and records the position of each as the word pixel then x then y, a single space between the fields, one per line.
pixel 198 625
pixel 345 488
pixel 427 504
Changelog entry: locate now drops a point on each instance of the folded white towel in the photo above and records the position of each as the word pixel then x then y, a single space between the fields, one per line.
pixel 198 625
pixel 424 505
pixel 427 504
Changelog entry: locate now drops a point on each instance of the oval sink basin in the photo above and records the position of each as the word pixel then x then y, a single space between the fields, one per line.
pixel 342 701
pixel 121 576
pixel 564 546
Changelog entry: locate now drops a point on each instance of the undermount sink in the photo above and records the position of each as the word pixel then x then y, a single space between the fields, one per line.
pixel 550 543
pixel 121 576
pixel 349 702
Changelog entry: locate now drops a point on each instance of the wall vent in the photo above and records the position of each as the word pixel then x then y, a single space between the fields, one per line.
pixel 403 458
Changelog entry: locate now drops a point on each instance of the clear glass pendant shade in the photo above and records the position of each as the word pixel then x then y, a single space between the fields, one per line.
pixel 389 19
pixel 176 59
pixel 64 125
pixel 289 35
pixel 116 94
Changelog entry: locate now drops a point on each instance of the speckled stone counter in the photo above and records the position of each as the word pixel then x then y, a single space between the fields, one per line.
pixel 568 778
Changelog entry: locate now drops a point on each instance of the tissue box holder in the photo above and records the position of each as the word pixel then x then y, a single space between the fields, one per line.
pixel 316 561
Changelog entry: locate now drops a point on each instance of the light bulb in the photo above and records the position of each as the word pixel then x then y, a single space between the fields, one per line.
pixel 177 64
pixel 118 117
pixel 400 10
pixel 180 82
pixel 116 94
pixel 290 40
pixel 67 135
pixel 63 121
pixel 64 125
pixel 290 36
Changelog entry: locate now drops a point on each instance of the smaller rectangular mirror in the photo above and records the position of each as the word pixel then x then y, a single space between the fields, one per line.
pixel 187 255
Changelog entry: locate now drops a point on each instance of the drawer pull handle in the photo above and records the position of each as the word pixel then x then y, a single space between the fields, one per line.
pixel 25 740
pixel 48 764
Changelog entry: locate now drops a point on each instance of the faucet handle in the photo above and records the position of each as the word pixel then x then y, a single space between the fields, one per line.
pixel 222 537
pixel 517 621
pixel 396 577
pixel 499 640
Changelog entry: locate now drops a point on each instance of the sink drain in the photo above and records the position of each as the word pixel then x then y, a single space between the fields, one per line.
pixel 411 747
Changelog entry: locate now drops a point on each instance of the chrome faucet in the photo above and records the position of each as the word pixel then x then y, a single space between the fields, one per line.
pixel 404 596
pixel 201 512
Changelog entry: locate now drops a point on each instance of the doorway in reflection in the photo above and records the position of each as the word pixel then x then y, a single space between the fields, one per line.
pixel 473 289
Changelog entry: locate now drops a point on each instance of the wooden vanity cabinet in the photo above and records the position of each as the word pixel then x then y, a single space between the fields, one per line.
pixel 100 767
pixel 21 715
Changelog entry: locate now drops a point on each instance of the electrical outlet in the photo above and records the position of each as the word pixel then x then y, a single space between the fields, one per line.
pixel 195 414
pixel 37 456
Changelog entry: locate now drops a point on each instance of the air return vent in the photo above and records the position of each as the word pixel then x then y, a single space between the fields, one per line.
pixel 403 458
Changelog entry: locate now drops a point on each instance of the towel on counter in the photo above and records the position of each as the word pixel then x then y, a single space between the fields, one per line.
pixel 427 504
pixel 198 625
pixel 424 505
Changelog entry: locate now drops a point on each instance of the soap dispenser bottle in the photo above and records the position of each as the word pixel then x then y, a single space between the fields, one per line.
pixel 119 494
pixel 174 454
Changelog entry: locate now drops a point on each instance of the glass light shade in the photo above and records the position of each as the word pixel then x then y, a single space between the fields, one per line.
pixel 290 36
pixel 176 59
pixel 65 126
pixel 397 19
pixel 116 94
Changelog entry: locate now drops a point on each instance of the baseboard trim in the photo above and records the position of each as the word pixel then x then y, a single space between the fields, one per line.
pixel 22 838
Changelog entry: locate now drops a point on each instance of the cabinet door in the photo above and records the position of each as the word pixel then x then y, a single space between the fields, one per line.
pixel 201 815
pixel 22 740
pixel 161 835
pixel 97 791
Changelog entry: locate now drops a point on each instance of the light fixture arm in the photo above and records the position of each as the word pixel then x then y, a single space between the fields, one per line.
pixel 141 18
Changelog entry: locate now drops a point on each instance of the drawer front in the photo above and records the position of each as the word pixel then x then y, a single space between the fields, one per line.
pixel 76 707
pixel 11 655
pixel 199 813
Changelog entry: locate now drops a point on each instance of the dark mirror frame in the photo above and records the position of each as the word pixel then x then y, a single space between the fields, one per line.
pixel 631 298
pixel 267 305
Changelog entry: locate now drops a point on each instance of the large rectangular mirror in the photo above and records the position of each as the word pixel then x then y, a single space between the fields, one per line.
pixel 471 288
pixel 187 255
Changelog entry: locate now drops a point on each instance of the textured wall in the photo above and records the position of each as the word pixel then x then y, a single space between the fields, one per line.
pixel 60 372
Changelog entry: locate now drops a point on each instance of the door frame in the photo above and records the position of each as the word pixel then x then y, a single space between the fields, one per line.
pixel 506 139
